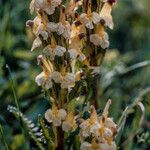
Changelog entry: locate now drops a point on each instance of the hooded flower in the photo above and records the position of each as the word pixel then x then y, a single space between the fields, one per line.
pixel 106 121
pixel 100 133
pixel 105 14
pixel 57 77
pixel 43 81
pixel 55 115
pixel 69 124
pixel 76 44
pixel 68 81
pixel 39 28
pixel 63 27
pixel 90 126
pixel 95 145
pixel 90 18
pixel 100 38
pixel 46 5
pixel 53 50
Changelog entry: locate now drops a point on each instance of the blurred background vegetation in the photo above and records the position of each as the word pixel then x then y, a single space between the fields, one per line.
pixel 125 72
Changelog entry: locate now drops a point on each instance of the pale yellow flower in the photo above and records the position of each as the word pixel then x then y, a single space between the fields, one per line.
pixel 69 124
pixel 43 81
pixel 57 77
pixel 105 15
pixel 100 38
pixel 46 5
pixel 68 81
pixel 55 115
pixel 53 50
pixel 63 27
pixel 91 125
pixel 90 18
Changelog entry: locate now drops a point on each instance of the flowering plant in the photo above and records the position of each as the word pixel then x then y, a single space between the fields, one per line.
pixel 76 80
pixel 73 37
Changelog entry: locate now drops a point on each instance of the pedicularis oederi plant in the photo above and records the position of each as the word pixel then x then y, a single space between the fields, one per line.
pixel 72 38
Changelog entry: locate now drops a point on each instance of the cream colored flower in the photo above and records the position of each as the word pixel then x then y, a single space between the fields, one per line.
pixel 110 124
pixel 77 40
pixel 57 77
pixel 90 126
pixel 40 79
pixel 69 124
pixel 59 51
pixel 43 81
pixel 73 54
pixel 39 28
pixel 52 27
pixel 89 21
pixel 105 15
pixel 107 134
pixel 63 27
pixel 55 115
pixel 68 81
pixel 86 146
pixel 44 78
pixel 90 18
pixel 49 51
pixel 53 51
pixel 76 43
pixel 46 5
pixel 100 38
pixel 77 27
